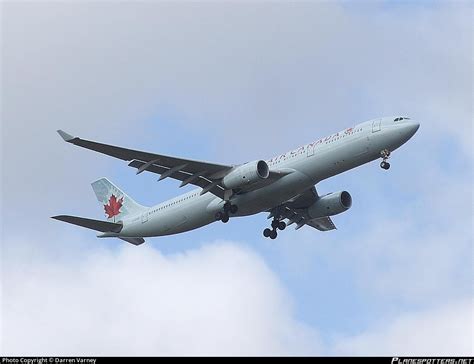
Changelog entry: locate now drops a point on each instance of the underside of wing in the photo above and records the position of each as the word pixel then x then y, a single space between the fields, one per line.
pixel 198 173
pixel 209 176
pixel 203 179
pixel 295 212
pixel 322 224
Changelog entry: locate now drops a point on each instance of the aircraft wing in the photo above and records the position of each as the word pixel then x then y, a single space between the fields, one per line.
pixel 202 174
pixel 294 212
pixel 322 224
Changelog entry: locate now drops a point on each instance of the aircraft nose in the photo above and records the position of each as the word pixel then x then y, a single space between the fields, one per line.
pixel 414 126
pixel 409 128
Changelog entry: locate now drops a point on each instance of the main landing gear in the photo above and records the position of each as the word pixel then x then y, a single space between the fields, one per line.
pixel 272 233
pixel 385 154
pixel 228 209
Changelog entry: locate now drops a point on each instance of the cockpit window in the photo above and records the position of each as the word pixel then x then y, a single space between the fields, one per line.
pixel 401 118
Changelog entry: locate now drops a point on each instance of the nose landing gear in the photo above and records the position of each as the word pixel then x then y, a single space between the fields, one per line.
pixel 385 154
pixel 228 209
pixel 276 225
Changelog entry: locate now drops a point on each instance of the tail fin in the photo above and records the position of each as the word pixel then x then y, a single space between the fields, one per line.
pixel 117 204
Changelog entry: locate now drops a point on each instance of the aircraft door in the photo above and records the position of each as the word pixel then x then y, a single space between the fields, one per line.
pixel 376 125
pixel 310 149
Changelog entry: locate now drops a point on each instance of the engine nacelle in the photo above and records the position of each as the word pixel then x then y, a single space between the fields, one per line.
pixel 331 204
pixel 246 174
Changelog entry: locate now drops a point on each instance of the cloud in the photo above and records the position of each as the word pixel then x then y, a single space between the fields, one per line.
pixel 219 299
pixel 443 331
pixel 411 266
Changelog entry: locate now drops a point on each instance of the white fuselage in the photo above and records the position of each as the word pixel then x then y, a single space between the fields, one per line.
pixel 309 164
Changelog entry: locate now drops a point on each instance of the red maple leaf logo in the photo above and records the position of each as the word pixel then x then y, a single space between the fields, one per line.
pixel 113 207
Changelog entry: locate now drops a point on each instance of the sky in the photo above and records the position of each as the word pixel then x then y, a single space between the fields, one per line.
pixel 229 83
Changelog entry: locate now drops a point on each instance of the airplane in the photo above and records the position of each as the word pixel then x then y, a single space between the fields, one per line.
pixel 283 186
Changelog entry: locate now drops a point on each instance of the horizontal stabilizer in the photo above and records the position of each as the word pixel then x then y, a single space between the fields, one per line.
pixel 134 241
pixel 96 225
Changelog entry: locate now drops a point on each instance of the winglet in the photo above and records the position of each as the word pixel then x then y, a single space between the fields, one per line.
pixel 65 136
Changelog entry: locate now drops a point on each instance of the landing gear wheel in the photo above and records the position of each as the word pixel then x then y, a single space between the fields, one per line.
pixel 267 232
pixel 273 234
pixel 221 216
pixel 385 165
pixel 218 216
pixel 281 225
pixel 227 206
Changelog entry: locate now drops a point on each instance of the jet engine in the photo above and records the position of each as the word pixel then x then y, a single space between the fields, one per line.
pixel 330 204
pixel 246 174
